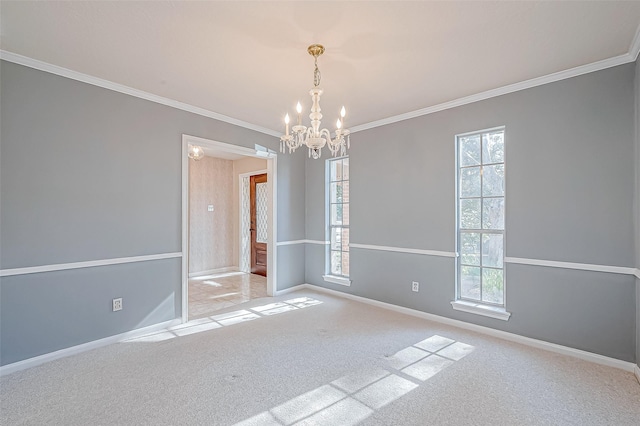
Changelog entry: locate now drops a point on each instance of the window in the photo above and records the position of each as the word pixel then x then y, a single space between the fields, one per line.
pixel 481 217
pixel 338 220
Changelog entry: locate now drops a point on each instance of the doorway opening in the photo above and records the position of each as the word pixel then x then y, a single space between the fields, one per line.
pixel 228 226
pixel 258 220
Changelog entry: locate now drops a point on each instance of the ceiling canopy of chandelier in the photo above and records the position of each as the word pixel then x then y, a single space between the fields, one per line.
pixel 314 137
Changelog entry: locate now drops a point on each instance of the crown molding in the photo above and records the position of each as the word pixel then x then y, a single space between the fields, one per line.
pixel 116 87
pixel 527 84
pixel 634 49
pixel 630 56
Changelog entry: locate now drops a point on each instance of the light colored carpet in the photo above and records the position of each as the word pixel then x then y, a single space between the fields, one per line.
pixel 337 362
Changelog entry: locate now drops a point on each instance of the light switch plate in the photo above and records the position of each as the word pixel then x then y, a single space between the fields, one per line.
pixel 210 207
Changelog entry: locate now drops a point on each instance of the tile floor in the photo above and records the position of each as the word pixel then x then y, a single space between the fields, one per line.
pixel 210 293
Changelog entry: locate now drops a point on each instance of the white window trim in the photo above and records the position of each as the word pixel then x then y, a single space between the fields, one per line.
pixel 337 280
pixel 328 277
pixel 466 304
pixel 481 309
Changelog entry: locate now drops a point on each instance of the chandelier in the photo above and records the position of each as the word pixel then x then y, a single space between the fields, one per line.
pixel 195 152
pixel 313 137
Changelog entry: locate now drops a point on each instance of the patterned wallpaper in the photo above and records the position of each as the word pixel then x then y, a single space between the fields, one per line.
pixel 211 236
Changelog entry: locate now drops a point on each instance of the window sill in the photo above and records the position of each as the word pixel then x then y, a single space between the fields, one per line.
pixel 337 280
pixel 480 309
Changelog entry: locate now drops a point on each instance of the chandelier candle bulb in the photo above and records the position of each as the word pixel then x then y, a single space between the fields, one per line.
pixel 286 122
pixel 299 110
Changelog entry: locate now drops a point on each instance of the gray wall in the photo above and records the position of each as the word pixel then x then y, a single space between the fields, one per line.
pixel 72 189
pixel 291 219
pixel 570 177
pixel 89 174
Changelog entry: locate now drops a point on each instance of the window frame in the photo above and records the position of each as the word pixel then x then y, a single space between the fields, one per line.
pixel 468 304
pixel 329 275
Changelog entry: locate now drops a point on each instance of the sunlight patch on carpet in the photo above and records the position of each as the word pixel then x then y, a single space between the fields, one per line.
pixel 356 381
pixel 186 331
pixel 427 368
pixel 347 412
pixel 239 319
pixel 354 397
pixel 226 319
pixel 405 357
pixel 456 351
pixel 307 404
pixel 434 343
pixel 385 391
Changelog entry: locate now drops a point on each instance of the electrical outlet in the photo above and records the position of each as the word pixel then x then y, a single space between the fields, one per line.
pixel 117 304
pixel 415 286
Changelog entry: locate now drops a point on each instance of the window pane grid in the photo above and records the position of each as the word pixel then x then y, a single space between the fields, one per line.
pixel 477 165
pixel 338 217
pixel 481 217
pixel 487 197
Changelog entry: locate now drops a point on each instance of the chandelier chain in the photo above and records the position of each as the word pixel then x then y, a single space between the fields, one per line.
pixel 316 74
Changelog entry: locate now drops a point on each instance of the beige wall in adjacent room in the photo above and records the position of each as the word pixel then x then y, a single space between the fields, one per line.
pixel 211 234
pixel 245 165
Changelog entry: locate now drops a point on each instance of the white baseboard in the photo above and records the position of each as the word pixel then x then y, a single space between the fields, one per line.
pixel 38 360
pixel 540 344
pixel 291 289
pixel 214 271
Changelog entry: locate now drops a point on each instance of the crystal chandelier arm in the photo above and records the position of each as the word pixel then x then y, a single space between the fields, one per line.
pixel 324 133
pixel 333 144
pixel 339 144
pixel 308 134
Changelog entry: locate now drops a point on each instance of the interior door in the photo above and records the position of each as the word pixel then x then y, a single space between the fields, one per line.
pixel 259 221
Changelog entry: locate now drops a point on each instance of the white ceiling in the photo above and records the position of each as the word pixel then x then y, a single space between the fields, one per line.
pixel 248 60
